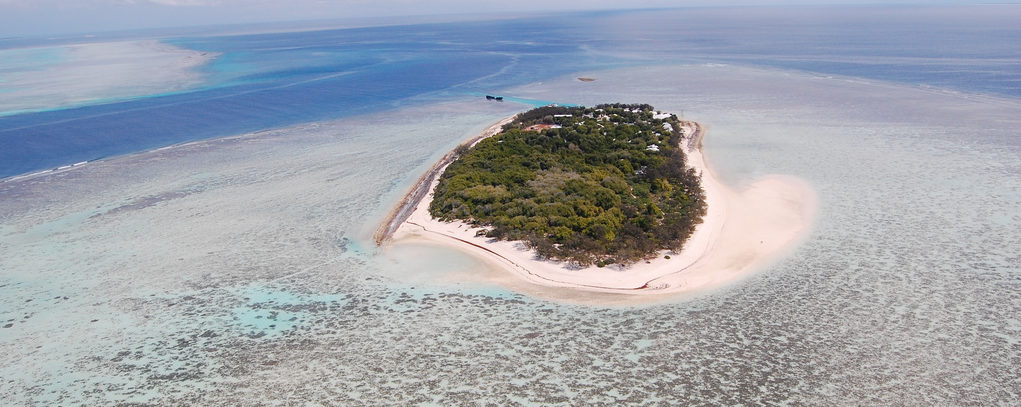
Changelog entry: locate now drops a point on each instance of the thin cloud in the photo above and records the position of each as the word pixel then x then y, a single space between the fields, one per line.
pixel 183 2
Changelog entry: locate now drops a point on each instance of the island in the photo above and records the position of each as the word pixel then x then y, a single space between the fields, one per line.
pixel 602 185
pixel 612 198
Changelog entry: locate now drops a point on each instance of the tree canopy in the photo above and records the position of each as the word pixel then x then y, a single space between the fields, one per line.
pixel 597 185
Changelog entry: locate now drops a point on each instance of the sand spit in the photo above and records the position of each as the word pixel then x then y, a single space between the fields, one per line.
pixel 742 231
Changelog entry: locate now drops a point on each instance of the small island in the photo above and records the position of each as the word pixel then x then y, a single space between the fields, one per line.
pixel 601 185
pixel 615 198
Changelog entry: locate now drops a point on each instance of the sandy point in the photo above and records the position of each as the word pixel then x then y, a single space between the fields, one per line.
pixel 743 231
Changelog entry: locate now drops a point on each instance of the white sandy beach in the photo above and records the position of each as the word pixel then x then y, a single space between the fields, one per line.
pixel 742 231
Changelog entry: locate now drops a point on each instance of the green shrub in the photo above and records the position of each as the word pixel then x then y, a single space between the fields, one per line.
pixel 589 192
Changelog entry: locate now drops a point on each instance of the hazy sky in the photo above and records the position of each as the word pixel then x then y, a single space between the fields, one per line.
pixel 33 17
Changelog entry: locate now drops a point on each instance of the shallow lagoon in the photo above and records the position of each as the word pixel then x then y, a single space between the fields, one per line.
pixel 239 270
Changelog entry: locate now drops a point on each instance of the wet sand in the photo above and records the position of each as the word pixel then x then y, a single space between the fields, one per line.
pixel 742 230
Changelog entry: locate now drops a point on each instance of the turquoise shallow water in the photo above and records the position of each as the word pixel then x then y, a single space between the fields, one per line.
pixel 223 265
pixel 239 270
pixel 134 94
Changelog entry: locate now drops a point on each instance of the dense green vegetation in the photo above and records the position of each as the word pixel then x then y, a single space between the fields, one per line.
pixel 589 185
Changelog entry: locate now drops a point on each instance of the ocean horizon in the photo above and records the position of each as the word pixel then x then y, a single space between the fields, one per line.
pixel 254 82
pixel 195 227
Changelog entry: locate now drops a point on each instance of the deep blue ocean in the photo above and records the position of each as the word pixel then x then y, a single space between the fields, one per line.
pixel 242 271
pixel 264 81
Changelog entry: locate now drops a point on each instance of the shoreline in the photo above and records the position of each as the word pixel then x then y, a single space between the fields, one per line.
pixel 425 185
pixel 740 232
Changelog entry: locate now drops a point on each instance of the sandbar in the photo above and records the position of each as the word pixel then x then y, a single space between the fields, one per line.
pixel 742 231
